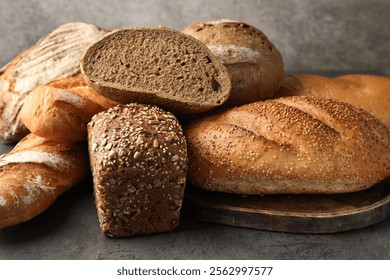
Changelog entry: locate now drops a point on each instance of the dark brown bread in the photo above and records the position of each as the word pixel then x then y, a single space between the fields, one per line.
pixel 288 145
pixel 370 92
pixel 156 66
pixel 254 63
pixel 139 162
pixel 61 110
pixel 34 174
pixel 55 56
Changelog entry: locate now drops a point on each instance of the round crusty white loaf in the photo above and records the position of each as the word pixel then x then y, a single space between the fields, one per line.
pixel 156 66
pixel 138 158
pixel 55 56
pixel 288 145
pixel 369 92
pixel 34 174
pixel 61 110
pixel 254 63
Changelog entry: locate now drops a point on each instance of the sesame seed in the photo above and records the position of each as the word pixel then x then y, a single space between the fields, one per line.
pixel 136 155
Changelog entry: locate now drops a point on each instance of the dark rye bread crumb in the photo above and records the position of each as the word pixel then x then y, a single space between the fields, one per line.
pixel 157 66
pixel 138 159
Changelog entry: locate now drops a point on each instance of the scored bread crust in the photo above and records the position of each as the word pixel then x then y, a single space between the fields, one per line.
pixel 288 145
pixel 56 55
pixel 254 63
pixel 34 174
pixel 163 67
pixel 369 92
pixel 138 159
pixel 61 110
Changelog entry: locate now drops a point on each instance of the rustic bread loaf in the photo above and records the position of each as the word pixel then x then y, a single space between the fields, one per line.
pixel 34 174
pixel 55 56
pixel 370 92
pixel 289 145
pixel 156 66
pixel 138 159
pixel 61 110
pixel 254 63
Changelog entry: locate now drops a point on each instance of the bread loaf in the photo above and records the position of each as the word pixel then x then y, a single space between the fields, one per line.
pixel 55 56
pixel 156 66
pixel 61 110
pixel 138 159
pixel 370 92
pixel 34 174
pixel 254 63
pixel 288 145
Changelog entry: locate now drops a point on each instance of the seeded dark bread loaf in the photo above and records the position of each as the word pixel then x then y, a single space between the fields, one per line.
pixel 288 145
pixel 370 92
pixel 61 110
pixel 254 63
pixel 156 66
pixel 138 159
pixel 55 56
pixel 34 174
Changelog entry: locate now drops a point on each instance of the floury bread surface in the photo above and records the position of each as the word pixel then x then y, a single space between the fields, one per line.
pixel 35 173
pixel 55 56
pixel 288 145
pixel 254 63
pixel 138 159
pixel 61 110
pixel 157 66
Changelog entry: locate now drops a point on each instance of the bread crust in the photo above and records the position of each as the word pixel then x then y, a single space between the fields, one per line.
pixel 57 55
pixel 61 110
pixel 34 174
pixel 138 160
pixel 369 92
pixel 254 63
pixel 288 145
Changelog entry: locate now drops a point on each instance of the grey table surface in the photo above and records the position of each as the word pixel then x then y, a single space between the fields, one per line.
pixel 69 229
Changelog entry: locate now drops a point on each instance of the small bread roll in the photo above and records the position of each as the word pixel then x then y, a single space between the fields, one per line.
pixel 254 63
pixel 299 144
pixel 138 158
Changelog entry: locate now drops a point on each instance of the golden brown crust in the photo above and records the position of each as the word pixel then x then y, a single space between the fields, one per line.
pixel 138 159
pixel 34 174
pixel 61 110
pixel 368 92
pixel 254 63
pixel 288 145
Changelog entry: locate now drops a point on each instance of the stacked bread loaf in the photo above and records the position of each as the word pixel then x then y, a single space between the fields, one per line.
pixel 136 86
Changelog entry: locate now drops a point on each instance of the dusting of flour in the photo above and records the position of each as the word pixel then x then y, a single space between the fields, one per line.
pixel 71 98
pixel 230 54
pixel 3 202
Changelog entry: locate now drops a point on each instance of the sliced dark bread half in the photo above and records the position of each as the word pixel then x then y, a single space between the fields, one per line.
pixel 156 66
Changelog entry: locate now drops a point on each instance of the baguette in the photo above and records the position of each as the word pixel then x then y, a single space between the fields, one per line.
pixel 288 145
pixel 369 92
pixel 55 56
pixel 254 63
pixel 156 66
pixel 34 174
pixel 61 110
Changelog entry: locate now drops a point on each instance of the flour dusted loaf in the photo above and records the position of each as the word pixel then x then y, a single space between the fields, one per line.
pixel 254 63
pixel 55 56
pixel 370 92
pixel 34 174
pixel 288 145
pixel 157 66
pixel 139 161
pixel 61 110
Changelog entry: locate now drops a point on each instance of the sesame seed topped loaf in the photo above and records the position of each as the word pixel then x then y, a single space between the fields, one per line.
pixel 254 63
pixel 288 145
pixel 157 66
pixel 138 159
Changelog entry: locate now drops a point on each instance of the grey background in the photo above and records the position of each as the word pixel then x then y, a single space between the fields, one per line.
pixel 327 36
pixel 312 35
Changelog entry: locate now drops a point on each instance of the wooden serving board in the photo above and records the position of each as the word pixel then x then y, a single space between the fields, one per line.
pixel 292 213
